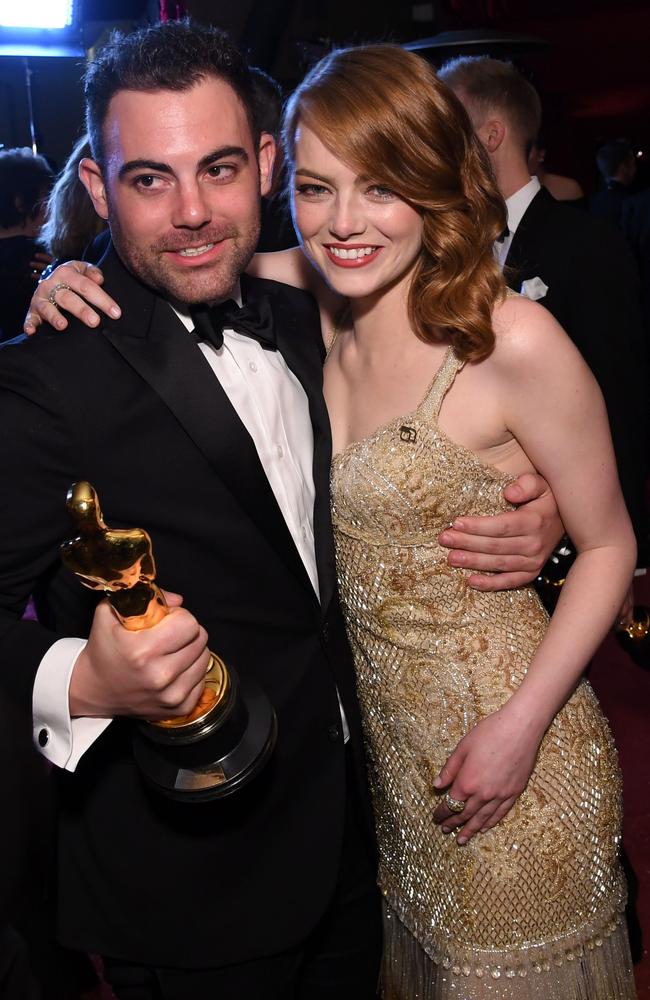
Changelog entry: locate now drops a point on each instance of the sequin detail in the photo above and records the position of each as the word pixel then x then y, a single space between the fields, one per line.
pixel 529 900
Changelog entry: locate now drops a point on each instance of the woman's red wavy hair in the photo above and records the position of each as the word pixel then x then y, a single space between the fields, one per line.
pixel 384 112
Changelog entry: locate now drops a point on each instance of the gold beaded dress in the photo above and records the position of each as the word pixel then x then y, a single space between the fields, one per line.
pixel 532 909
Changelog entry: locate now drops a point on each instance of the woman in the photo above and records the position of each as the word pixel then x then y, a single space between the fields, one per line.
pixel 72 225
pixel 494 776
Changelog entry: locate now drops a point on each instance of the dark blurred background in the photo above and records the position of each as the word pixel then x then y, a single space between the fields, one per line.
pixel 588 59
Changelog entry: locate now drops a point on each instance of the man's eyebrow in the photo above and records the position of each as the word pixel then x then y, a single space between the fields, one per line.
pixel 151 165
pixel 164 168
pixel 223 153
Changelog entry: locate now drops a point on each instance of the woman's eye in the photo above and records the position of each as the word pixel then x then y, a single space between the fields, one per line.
pixel 379 191
pixel 311 190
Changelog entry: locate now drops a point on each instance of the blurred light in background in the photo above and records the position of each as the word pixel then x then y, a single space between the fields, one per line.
pixel 44 14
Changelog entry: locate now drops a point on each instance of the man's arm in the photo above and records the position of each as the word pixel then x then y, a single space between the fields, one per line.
pixel 156 673
pixel 513 546
pixel 61 739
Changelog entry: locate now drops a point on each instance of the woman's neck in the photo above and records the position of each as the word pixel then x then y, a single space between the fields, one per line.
pixel 381 324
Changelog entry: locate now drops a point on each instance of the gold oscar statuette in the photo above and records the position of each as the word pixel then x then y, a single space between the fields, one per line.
pixel 219 746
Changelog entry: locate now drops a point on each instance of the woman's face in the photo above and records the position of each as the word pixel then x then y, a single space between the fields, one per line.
pixel 361 236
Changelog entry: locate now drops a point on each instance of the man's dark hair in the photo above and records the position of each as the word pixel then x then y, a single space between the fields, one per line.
pixel 490 85
pixel 611 157
pixel 25 180
pixel 175 55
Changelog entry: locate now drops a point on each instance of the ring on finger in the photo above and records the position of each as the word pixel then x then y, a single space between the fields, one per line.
pixel 57 288
pixel 453 805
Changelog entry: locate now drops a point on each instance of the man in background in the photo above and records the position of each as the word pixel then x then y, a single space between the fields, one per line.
pixel 617 167
pixel 579 268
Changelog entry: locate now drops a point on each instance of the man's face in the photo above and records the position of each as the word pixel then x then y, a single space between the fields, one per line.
pixel 181 188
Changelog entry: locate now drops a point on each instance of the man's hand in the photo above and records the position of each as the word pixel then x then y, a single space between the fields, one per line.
pixel 154 674
pixel 84 288
pixel 514 545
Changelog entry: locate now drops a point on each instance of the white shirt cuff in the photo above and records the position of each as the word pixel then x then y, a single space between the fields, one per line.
pixel 62 740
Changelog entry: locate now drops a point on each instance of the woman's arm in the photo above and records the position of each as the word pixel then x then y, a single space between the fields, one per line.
pixel 552 405
pixel 75 287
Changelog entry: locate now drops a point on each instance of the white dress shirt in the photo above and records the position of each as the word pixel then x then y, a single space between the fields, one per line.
pixel 273 406
pixel 516 206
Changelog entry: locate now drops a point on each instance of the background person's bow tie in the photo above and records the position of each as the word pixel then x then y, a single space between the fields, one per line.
pixel 504 235
pixel 254 320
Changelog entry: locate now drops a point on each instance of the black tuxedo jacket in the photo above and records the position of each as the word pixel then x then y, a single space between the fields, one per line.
pixel 636 227
pixel 135 409
pixel 593 292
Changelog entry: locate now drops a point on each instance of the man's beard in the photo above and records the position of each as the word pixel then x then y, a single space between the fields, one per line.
pixel 209 283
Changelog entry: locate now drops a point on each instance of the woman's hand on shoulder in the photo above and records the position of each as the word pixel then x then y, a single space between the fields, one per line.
pixel 74 287
pixel 488 771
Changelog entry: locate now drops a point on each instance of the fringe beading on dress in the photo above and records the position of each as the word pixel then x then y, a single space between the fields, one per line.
pixel 592 964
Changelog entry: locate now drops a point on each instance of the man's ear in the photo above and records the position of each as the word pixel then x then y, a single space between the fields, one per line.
pixel 491 133
pixel 90 175
pixel 266 159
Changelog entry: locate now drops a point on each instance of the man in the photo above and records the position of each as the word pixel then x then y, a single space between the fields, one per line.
pixel 237 898
pixel 617 167
pixel 577 267
pixel 222 452
pixel 636 226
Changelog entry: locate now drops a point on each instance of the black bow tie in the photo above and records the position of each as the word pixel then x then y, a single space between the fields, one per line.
pixel 504 235
pixel 254 320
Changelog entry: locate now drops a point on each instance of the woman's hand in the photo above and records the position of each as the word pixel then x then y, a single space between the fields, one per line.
pixel 488 771
pixel 83 283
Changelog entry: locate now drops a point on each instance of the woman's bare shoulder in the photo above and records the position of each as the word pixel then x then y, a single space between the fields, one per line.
pixel 527 334
pixel 293 268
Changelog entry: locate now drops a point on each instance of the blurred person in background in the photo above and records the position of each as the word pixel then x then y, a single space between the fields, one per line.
pixel 617 167
pixel 71 224
pixel 635 221
pixel 25 182
pixel 277 232
pixel 562 188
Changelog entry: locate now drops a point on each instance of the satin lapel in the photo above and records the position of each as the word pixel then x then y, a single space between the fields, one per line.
pixel 161 351
pixel 303 352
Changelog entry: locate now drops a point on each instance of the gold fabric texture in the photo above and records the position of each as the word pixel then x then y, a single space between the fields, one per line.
pixel 532 908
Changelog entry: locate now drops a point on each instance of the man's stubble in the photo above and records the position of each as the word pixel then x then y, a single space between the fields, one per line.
pixel 207 284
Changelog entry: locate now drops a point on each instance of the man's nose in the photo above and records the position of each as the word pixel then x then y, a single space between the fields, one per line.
pixel 192 209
